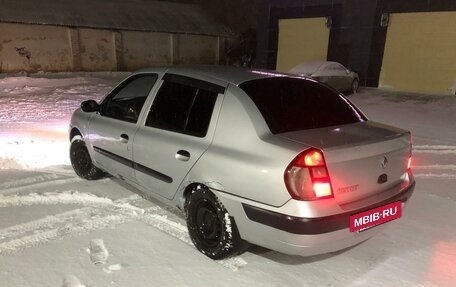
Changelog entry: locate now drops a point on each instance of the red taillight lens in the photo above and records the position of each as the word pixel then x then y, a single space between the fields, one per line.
pixel 307 177
pixel 318 172
pixel 409 162
pixel 314 158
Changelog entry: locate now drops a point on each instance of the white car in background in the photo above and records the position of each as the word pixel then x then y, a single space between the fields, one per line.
pixel 331 73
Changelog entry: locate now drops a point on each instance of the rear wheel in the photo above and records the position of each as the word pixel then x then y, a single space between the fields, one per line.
pixel 81 161
pixel 355 86
pixel 212 230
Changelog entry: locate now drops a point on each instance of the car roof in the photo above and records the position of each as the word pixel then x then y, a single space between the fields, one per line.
pixel 310 66
pixel 217 73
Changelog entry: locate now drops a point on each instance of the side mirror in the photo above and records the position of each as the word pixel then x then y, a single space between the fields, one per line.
pixel 348 71
pixel 90 106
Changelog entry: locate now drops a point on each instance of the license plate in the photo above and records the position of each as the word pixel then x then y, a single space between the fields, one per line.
pixel 376 216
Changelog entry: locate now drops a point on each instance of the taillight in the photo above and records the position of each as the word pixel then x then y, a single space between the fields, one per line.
pixel 407 176
pixel 307 177
pixel 409 162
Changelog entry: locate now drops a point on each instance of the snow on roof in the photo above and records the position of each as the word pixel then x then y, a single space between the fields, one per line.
pixel 309 67
pixel 139 15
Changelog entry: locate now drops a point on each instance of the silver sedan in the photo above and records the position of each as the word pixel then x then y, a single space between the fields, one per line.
pixel 330 73
pixel 249 156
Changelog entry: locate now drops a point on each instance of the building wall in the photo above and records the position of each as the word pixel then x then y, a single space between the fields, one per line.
pixel 301 40
pixel 96 50
pixel 410 60
pixel 359 34
pixel 197 49
pixel 142 49
pixel 33 48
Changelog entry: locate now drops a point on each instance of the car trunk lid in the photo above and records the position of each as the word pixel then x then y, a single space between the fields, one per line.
pixel 362 159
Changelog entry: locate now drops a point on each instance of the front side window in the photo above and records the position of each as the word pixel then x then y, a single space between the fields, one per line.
pixel 126 101
pixel 182 108
pixel 290 104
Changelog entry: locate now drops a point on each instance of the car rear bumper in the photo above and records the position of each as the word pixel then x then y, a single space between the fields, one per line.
pixel 300 235
pixel 318 225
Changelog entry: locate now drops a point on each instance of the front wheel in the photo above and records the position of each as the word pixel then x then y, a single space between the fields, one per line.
pixel 212 230
pixel 81 161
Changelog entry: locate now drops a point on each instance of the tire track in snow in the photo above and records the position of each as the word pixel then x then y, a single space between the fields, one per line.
pixel 75 228
pixel 435 175
pixel 54 198
pixel 446 174
pixel 37 185
pixel 438 171
pixel 435 167
pixel 60 170
pixel 53 221
pixel 103 214
pixel 47 222
pixel 435 149
pixel 29 180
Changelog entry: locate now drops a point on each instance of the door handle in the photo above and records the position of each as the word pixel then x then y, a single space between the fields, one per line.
pixel 124 138
pixel 183 155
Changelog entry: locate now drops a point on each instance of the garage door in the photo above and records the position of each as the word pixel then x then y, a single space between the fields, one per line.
pixel 420 53
pixel 301 40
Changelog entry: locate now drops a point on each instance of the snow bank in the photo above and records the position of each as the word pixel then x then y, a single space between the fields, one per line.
pixel 36 113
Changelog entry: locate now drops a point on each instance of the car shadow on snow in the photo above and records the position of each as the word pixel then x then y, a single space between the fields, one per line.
pixel 295 259
pixel 148 197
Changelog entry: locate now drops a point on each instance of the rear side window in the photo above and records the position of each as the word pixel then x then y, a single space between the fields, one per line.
pixel 182 108
pixel 291 104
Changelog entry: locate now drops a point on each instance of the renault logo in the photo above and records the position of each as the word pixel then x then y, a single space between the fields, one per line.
pixel 384 162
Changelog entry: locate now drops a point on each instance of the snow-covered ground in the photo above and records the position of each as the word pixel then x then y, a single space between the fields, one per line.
pixel 58 230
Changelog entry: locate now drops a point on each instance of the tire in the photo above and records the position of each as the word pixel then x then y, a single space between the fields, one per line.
pixel 355 86
pixel 212 230
pixel 81 161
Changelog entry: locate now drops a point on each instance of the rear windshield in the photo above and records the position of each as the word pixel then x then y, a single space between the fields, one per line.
pixel 292 104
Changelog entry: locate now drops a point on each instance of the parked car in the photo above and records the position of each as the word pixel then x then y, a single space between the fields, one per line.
pixel 251 156
pixel 330 73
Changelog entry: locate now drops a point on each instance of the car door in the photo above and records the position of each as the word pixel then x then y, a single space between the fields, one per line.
pixel 334 77
pixel 325 74
pixel 344 82
pixel 178 129
pixel 111 130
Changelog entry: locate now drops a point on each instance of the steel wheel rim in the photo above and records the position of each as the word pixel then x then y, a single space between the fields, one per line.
pixel 207 223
